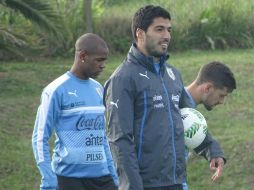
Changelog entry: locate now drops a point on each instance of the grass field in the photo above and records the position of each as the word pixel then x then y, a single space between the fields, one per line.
pixel 232 124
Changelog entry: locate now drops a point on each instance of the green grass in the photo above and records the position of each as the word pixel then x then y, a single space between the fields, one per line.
pixel 232 124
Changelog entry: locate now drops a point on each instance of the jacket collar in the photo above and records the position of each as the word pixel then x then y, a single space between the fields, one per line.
pixel 137 57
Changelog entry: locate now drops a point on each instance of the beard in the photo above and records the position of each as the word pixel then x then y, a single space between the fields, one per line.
pixel 208 107
pixel 155 53
pixel 153 48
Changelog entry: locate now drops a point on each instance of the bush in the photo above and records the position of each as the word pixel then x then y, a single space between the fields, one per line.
pixel 220 28
pixel 196 24
pixel 116 31
pixel 210 25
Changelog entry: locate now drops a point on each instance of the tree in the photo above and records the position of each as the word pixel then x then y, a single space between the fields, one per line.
pixel 38 12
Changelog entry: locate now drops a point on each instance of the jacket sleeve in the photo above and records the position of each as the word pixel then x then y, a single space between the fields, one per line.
pixel 119 100
pixel 43 129
pixel 111 166
pixel 210 148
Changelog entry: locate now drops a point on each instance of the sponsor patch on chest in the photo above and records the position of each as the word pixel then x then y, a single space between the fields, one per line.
pixel 175 99
pixel 157 101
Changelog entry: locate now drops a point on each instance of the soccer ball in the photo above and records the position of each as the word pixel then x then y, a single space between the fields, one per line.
pixel 195 127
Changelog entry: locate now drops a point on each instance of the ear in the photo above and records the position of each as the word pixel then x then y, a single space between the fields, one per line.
pixel 140 34
pixel 83 55
pixel 208 87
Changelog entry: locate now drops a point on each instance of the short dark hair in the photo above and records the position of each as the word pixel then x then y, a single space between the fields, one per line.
pixel 217 73
pixel 90 43
pixel 143 18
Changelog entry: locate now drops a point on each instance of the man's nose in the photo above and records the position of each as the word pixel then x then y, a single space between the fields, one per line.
pixel 102 65
pixel 167 35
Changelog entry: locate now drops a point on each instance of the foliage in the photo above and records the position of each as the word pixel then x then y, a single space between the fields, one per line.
pixel 50 28
pixel 10 43
pixel 37 12
pixel 220 27
pixel 118 36
pixel 196 24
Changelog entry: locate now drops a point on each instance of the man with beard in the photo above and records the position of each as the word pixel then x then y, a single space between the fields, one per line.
pixel 212 85
pixel 143 97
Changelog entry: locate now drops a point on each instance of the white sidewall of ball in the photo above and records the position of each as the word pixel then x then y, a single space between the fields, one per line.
pixel 195 127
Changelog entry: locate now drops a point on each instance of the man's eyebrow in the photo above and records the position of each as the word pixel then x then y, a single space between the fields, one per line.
pixel 161 26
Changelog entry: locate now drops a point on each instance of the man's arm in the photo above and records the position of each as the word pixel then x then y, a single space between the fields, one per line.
pixel 41 134
pixel 120 116
pixel 212 151
pixel 210 148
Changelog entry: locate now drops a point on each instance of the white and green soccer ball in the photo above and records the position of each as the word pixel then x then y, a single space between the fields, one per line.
pixel 195 127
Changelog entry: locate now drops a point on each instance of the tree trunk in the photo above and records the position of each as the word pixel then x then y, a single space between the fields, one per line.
pixel 88 17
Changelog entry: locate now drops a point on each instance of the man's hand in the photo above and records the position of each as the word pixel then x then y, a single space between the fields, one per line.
pixel 216 165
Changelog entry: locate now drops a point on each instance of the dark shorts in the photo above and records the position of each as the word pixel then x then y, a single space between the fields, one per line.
pixel 171 187
pixel 99 183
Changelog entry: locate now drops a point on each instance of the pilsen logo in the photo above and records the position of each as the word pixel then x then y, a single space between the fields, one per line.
pixel 90 123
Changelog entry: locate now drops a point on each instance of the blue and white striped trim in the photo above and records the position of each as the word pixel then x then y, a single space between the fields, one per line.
pixel 43 109
pixel 142 127
pixel 90 109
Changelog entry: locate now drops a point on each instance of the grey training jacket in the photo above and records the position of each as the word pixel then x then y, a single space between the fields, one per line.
pixel 145 129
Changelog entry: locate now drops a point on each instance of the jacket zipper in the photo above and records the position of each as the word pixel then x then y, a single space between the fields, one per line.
pixel 172 129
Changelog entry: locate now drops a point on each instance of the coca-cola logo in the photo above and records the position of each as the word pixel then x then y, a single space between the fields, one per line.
pixel 96 123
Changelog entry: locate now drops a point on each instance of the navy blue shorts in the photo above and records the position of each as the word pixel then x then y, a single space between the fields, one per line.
pixel 171 187
pixel 99 183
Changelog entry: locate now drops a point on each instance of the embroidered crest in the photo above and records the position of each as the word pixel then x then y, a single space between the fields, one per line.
pixel 171 74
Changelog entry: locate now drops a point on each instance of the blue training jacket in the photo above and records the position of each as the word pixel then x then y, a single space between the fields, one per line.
pixel 74 110
pixel 145 129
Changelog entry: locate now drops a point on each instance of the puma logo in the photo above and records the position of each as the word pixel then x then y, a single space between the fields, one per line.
pixel 73 93
pixel 115 103
pixel 144 75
